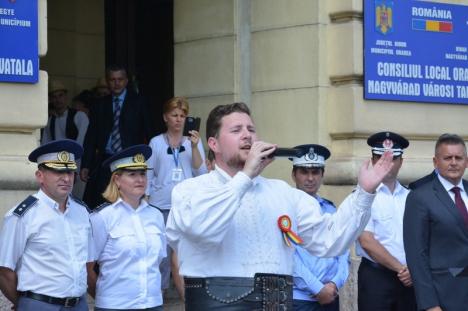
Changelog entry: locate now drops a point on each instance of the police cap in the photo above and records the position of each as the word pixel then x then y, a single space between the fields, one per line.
pixel 383 141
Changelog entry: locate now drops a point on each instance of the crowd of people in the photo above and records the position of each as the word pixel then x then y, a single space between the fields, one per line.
pixel 232 239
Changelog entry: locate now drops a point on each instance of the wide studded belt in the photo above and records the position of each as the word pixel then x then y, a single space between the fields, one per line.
pixel 266 292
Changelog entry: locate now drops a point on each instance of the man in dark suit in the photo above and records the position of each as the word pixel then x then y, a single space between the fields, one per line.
pixel 435 231
pixel 119 121
pixel 421 181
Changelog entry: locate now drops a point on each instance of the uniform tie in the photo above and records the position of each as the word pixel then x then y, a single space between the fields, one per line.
pixel 116 143
pixel 460 205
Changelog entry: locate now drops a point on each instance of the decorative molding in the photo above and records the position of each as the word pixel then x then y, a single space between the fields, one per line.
pixel 10 130
pixel 347 79
pixel 345 17
pixel 410 137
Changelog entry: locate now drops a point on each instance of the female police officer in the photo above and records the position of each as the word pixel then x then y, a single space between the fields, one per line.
pixel 129 239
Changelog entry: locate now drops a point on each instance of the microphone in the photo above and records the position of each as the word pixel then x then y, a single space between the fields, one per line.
pixel 287 153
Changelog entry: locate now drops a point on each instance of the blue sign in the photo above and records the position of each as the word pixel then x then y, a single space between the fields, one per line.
pixel 415 51
pixel 19 56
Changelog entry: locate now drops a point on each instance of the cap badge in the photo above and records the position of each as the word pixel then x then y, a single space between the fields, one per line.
pixel 387 144
pixel 311 156
pixel 139 158
pixel 284 223
pixel 63 156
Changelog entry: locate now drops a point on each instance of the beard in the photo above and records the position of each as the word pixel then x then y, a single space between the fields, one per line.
pixel 236 162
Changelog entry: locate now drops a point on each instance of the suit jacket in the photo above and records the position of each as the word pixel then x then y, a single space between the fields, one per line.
pixel 421 181
pixel 135 127
pixel 436 240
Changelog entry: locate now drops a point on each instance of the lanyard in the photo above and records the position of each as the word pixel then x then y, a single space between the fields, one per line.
pixel 175 156
pixel 175 151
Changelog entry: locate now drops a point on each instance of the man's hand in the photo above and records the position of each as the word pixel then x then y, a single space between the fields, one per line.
pixel 84 174
pixel 257 158
pixel 327 294
pixel 405 277
pixel 371 176
pixel 435 309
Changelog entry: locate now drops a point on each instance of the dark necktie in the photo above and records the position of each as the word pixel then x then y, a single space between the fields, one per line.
pixel 460 205
pixel 116 143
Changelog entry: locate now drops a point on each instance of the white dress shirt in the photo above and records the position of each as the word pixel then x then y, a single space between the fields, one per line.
pixel 223 226
pixel 48 249
pixel 130 244
pixel 160 183
pixel 386 222
pixel 448 186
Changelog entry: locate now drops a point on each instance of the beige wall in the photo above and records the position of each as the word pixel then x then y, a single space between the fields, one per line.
pixel 304 81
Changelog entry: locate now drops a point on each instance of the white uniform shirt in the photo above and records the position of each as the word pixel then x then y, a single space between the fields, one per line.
pixel 48 249
pixel 160 183
pixel 130 243
pixel 81 121
pixel 223 226
pixel 386 222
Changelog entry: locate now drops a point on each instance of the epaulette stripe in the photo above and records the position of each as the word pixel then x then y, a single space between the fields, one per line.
pixel 25 205
pixel 101 207
pixel 80 202
pixel 329 202
pixel 155 207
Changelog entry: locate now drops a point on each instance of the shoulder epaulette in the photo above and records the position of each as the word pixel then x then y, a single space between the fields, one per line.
pixel 329 202
pixel 25 205
pixel 81 203
pixel 155 207
pixel 101 207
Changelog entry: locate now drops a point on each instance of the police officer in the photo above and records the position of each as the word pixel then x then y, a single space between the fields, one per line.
pixel 46 241
pixel 129 238
pixel 316 280
pixel 384 281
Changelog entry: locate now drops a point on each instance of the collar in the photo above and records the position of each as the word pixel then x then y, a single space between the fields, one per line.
pixel 398 188
pixel 129 208
pixel 45 199
pixel 448 185
pixel 226 177
pixel 181 149
pixel 121 97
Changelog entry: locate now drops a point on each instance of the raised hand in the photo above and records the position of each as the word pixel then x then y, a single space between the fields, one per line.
pixel 257 158
pixel 194 138
pixel 370 176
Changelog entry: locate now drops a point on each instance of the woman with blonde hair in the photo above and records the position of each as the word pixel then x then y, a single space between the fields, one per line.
pixel 175 158
pixel 129 238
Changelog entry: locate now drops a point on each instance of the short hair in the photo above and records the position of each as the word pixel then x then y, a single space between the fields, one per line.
pixel 112 193
pixel 176 102
pixel 210 156
pixel 213 123
pixel 115 67
pixel 449 139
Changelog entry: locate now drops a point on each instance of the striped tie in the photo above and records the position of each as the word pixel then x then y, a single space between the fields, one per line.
pixel 116 143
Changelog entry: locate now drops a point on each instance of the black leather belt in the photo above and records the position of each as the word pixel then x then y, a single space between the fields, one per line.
pixel 266 292
pixel 67 302
pixel 372 264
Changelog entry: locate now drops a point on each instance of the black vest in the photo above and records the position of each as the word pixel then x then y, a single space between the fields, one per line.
pixel 71 131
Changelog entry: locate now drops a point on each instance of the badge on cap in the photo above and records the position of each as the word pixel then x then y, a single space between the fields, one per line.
pixel 284 223
pixel 63 156
pixel 387 144
pixel 139 158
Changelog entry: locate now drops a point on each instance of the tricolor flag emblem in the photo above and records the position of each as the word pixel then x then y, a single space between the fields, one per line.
pixel 431 25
